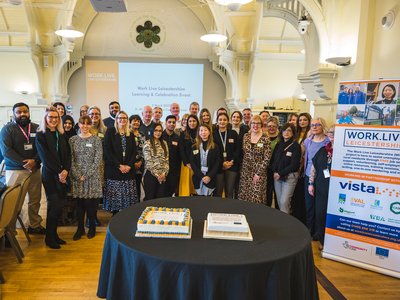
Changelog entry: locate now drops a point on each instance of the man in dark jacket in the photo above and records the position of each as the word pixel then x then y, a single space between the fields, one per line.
pixel 17 143
pixel 172 140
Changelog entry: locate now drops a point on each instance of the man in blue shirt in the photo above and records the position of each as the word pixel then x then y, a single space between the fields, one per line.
pixel 17 144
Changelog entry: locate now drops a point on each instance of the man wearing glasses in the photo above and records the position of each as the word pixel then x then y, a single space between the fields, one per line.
pixel 114 109
pixel 17 143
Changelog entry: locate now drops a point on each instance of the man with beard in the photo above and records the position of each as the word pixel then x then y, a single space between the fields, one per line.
pixel 114 108
pixel 17 143
pixel 172 140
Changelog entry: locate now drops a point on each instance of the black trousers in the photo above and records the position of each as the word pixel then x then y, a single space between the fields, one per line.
pixel 90 207
pixel 172 183
pixel 55 194
pixel 152 188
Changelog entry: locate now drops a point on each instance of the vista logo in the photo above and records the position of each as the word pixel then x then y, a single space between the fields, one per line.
pixel 378 218
pixel 395 208
pixel 362 187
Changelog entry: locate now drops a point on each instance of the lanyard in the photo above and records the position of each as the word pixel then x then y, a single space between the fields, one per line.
pixel 223 139
pixel 29 132
pixel 57 140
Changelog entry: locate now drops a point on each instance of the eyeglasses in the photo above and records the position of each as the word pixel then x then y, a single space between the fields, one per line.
pixel 288 130
pixel 256 123
pixel 94 114
pixel 316 125
pixel 272 126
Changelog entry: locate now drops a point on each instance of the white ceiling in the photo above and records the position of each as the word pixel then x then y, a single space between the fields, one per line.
pixel 275 35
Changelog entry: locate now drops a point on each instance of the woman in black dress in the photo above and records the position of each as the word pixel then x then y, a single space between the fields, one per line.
pixel 54 153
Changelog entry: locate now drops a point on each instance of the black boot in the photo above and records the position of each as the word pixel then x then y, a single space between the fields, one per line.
pixel 91 208
pixel 51 233
pixel 80 215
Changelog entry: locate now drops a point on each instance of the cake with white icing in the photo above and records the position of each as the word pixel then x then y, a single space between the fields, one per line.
pixel 164 222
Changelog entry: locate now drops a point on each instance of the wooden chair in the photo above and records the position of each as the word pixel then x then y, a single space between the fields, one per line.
pixel 8 208
pixel 21 200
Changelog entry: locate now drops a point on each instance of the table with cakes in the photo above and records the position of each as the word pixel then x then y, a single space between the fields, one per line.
pixel 276 263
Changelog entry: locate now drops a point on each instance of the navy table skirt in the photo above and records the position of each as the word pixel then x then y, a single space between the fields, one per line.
pixel 278 264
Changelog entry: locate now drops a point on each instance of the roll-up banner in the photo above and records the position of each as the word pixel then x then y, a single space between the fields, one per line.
pixel 363 217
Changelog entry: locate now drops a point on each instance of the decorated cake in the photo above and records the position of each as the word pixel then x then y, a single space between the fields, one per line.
pixel 164 222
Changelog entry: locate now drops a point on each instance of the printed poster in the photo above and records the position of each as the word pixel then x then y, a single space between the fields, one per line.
pixel 363 218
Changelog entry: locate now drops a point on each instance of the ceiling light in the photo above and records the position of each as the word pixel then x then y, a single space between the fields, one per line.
pixel 69 33
pixel 233 4
pixel 213 38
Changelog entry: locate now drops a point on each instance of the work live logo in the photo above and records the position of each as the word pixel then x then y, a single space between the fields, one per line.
pixel 370 189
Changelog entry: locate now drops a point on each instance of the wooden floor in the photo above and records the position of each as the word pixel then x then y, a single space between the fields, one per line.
pixel 72 272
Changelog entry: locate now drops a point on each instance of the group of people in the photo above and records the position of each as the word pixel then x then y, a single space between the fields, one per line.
pixel 116 159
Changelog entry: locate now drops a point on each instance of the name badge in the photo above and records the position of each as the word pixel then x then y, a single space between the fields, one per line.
pixel 28 147
pixel 231 141
pixel 174 143
pixel 195 152
pixel 204 169
pixel 260 145
pixel 100 135
pixel 33 134
pixel 327 174
pixel 123 153
pixel 224 154
pixel 289 154
pixel 89 145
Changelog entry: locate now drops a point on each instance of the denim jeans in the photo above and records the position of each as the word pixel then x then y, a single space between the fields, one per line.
pixel 284 191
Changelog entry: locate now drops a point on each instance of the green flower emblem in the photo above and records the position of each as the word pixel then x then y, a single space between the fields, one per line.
pixel 148 34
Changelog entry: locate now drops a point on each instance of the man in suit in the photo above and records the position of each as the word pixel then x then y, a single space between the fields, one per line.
pixel 17 143
pixel 114 108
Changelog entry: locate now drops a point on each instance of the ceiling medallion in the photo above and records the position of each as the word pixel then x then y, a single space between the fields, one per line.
pixel 148 34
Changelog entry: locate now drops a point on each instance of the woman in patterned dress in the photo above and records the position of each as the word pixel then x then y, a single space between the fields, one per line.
pixel 135 121
pixel 257 153
pixel 155 152
pixel 119 170
pixel 86 157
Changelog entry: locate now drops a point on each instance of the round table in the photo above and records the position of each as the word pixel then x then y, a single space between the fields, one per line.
pixel 277 264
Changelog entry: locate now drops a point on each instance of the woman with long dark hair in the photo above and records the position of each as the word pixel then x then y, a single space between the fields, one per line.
pixel 229 146
pixel 298 202
pixel 156 159
pixel 54 152
pixel 205 160
pixel 186 141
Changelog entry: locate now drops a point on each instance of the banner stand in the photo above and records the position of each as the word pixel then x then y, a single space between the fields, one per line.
pixel 360 264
